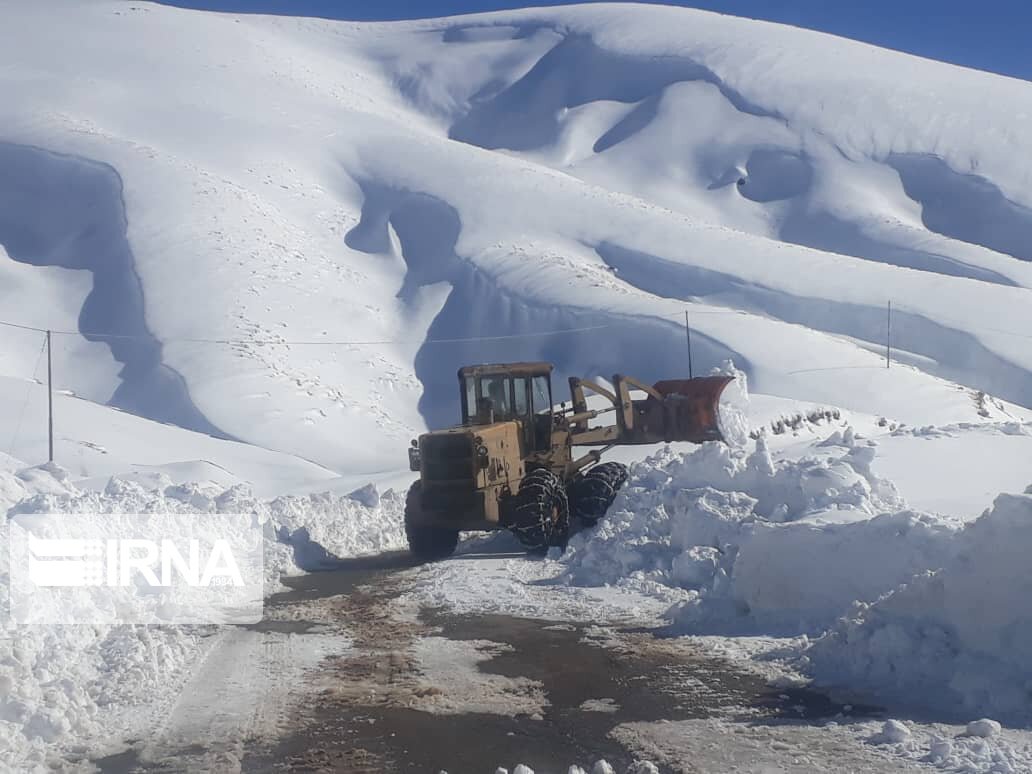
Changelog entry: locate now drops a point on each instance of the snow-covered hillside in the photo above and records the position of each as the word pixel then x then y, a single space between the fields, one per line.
pixel 282 216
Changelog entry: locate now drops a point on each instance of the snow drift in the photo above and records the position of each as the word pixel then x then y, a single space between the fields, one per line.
pixel 960 637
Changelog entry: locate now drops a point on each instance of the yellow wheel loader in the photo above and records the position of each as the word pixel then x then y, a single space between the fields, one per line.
pixel 511 464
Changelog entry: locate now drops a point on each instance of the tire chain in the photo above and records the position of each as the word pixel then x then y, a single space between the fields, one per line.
pixel 539 493
pixel 594 492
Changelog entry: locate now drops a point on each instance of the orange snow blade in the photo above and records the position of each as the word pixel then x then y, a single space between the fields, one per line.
pixel 687 410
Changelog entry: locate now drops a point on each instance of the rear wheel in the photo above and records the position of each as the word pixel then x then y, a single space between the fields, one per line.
pixel 540 512
pixel 593 493
pixel 426 543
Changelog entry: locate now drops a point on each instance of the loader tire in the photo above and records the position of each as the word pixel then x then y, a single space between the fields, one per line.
pixel 593 493
pixel 540 512
pixel 426 543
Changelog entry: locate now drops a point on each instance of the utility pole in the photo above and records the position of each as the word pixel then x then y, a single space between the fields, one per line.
pixel 50 395
pixel 888 335
pixel 688 331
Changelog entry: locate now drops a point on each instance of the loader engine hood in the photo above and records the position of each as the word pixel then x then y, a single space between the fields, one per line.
pixel 475 456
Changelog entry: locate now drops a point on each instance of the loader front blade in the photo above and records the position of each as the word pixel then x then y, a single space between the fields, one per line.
pixel 686 410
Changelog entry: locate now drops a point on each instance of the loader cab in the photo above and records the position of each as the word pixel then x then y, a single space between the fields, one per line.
pixel 507 392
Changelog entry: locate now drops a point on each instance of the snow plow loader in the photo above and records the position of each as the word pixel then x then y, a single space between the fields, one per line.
pixel 519 463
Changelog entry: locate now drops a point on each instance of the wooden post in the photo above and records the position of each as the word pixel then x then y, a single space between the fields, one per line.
pixel 688 331
pixel 888 335
pixel 50 396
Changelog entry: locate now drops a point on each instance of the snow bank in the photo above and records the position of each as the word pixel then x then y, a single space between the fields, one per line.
pixel 959 638
pixel 296 527
pixel 362 523
pixel 11 490
pixel 787 544
pixel 806 576
pixel 55 680
pixel 920 610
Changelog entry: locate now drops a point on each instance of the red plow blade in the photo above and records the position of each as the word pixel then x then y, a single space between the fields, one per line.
pixel 681 410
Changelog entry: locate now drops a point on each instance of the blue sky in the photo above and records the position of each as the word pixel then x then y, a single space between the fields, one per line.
pixel 986 34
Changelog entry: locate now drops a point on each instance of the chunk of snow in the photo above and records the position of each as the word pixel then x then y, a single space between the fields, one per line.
pixel 368 495
pixel 940 749
pixel 984 728
pixel 892 732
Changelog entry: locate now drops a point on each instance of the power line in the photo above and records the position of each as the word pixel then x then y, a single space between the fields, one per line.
pixel 961 325
pixel 334 342
pixel 298 343
pixel 23 327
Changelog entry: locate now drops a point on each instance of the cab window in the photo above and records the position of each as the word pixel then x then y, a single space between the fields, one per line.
pixel 542 395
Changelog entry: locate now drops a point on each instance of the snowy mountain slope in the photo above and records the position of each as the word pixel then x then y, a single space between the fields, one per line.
pixel 291 185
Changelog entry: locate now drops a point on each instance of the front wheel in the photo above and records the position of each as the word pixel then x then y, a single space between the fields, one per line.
pixel 540 512
pixel 426 543
pixel 593 493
